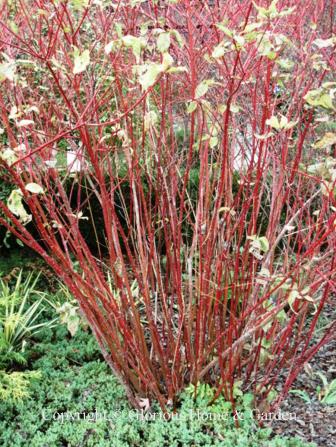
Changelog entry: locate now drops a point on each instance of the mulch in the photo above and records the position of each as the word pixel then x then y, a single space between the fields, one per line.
pixel 313 421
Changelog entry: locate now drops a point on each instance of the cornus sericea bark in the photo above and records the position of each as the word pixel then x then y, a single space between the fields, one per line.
pixel 202 134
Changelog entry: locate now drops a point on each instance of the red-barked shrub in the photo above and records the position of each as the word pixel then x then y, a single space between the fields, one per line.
pixel 195 140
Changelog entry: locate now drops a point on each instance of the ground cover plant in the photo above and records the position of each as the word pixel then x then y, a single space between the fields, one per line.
pixel 21 307
pixel 68 405
pixel 204 133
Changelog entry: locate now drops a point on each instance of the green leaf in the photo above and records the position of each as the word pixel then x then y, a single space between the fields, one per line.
pixel 178 37
pixel 111 46
pixel 218 51
pixel 262 12
pixel 15 205
pixel 73 325
pixel 265 47
pixel 226 209
pixel 273 122
pixel 324 43
pixel 281 124
pixel 173 70
pixel 81 61
pixel 319 98
pixel 239 40
pixel 203 87
pixel 286 64
pixel 222 108
pixel 34 188
pixel 135 43
pixel 25 123
pixel 14 113
pixel 20 243
pixel 192 106
pixel 264 136
pixel 7 69
pixel 323 378
pixel 163 42
pixel 167 62
pixel 225 29
pixel 119 29
pixel 329 399
pixel 69 316
pixel 14 27
pixel 79 4
pixel 258 244
pixel 149 74
pixel 271 55
pixel 234 108
pixel 325 101
pixel 213 142
pixel 264 244
pixel 252 27
pixel 252 36
pixel 9 156
pixel 272 12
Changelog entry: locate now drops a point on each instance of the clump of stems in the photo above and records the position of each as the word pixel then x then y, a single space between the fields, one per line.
pixel 192 129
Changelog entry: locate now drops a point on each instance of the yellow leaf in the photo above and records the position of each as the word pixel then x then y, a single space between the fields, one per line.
pixel 327 140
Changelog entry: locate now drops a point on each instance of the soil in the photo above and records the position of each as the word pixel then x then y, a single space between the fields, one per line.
pixel 313 421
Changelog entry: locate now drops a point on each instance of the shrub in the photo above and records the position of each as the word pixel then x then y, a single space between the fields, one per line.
pixel 14 386
pixel 216 287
